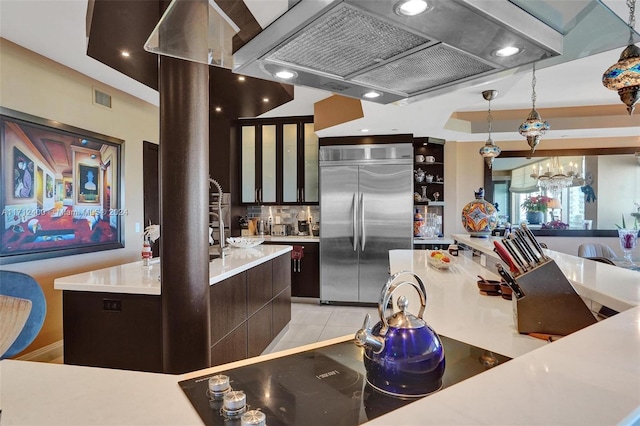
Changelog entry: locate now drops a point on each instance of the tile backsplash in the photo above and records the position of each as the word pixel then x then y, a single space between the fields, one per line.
pixel 287 214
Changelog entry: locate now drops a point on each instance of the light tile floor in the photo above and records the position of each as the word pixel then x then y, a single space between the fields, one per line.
pixel 312 322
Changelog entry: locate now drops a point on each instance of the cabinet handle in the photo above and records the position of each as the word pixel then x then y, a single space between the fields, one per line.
pixel 299 265
pixel 302 196
pixel 260 195
pixel 256 196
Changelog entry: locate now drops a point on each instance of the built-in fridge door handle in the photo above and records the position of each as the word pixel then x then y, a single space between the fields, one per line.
pixel 354 222
pixel 363 237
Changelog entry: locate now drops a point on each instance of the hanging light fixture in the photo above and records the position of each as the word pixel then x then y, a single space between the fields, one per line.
pixel 534 127
pixel 624 75
pixel 490 150
pixel 553 177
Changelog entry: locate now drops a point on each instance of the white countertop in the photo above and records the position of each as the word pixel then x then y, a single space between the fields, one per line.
pixel 612 286
pixel 590 377
pixel 456 309
pixel 133 278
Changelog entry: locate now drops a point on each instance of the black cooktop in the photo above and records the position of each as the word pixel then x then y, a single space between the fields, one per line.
pixel 325 386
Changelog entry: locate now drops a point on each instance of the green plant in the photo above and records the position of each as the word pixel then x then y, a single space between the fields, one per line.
pixel 536 204
pixel 624 225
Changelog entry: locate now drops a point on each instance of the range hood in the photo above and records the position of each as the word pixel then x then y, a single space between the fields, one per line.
pixel 355 47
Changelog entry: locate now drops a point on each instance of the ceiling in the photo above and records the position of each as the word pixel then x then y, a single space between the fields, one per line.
pixel 570 95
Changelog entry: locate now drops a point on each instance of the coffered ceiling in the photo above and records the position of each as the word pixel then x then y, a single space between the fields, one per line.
pixel 570 95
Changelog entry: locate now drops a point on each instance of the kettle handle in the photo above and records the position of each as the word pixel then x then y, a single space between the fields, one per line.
pixel 391 286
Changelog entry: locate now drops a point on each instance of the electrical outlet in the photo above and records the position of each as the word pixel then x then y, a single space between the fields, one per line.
pixel 137 226
pixel 114 305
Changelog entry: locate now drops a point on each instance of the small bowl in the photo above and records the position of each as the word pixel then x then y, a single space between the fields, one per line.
pixel 489 285
pixel 506 291
pixel 440 262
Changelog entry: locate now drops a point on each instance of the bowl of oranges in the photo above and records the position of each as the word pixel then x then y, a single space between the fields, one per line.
pixel 439 259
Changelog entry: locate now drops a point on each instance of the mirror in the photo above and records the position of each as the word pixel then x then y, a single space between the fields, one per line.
pixel 599 187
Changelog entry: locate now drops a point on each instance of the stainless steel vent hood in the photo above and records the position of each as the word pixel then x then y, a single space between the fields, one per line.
pixel 352 47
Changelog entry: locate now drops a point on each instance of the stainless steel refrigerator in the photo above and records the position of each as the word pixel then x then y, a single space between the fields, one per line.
pixel 366 209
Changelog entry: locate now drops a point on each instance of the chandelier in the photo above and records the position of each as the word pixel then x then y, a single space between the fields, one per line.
pixel 624 75
pixel 552 176
pixel 533 127
pixel 490 150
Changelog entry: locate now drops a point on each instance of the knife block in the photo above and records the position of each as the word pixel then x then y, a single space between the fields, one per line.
pixel 550 304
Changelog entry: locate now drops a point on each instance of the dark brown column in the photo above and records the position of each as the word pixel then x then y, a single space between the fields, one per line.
pixel 184 187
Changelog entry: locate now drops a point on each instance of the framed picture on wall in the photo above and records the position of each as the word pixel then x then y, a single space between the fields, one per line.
pixel 60 189
pixel 88 184
pixel 22 174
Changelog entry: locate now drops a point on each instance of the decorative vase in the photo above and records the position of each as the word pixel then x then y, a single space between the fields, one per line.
pixel 628 240
pixel 535 218
pixel 479 217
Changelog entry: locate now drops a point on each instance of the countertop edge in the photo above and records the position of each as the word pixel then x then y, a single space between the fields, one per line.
pixel 143 281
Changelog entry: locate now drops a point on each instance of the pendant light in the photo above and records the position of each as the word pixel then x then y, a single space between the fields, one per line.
pixel 490 150
pixel 624 75
pixel 533 127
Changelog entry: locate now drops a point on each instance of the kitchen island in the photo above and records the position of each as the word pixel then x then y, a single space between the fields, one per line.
pixel 112 317
pixel 588 377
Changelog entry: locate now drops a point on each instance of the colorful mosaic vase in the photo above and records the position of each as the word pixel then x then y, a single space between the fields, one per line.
pixel 479 217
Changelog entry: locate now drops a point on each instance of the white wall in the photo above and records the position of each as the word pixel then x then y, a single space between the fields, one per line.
pixel 35 85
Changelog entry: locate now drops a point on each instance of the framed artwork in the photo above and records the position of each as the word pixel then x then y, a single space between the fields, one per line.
pixel 49 187
pixel 23 175
pixel 88 184
pixel 60 189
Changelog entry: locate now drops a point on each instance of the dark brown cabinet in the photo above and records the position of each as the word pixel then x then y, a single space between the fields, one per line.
pixel 259 287
pixel 431 188
pixel 228 306
pixel 278 161
pixel 305 274
pixel 124 331
pixel 267 308
pixel 260 331
pixel 233 347
pixel 112 330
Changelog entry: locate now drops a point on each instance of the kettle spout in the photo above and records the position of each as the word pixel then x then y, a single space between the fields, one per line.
pixel 365 338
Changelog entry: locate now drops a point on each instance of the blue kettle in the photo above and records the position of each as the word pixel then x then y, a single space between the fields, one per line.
pixel 403 356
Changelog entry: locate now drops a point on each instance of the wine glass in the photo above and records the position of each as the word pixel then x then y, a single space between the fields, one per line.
pixel 628 241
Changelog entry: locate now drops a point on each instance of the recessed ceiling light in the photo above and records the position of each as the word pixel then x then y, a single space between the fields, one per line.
pixel 265 99
pixel 93 156
pixel 218 109
pixel 411 7
pixel 84 141
pixel 125 54
pixel 372 94
pixel 364 130
pixel 507 51
pixel 241 78
pixel 286 74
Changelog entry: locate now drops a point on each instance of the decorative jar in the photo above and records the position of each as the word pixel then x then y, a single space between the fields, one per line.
pixel 479 217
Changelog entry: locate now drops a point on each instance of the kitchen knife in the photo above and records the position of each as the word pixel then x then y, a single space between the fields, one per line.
pixel 506 257
pixel 521 250
pixel 517 291
pixel 512 251
pixel 535 242
pixel 525 244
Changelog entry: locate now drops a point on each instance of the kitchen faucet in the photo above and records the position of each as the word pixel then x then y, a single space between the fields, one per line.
pixel 218 213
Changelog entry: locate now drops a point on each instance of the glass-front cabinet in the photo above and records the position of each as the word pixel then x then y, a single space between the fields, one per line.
pixel 279 161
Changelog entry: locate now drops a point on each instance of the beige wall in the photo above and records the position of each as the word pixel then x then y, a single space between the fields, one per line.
pixel 32 84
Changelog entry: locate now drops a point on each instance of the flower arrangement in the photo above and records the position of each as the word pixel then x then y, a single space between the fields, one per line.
pixel 536 204
pixel 555 224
